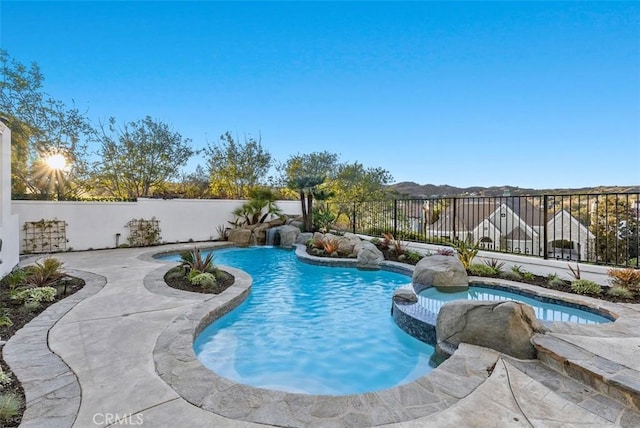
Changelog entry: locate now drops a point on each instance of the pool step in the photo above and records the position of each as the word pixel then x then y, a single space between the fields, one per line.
pixel 609 378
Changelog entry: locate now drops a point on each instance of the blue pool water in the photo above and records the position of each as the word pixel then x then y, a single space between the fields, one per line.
pixel 311 329
pixel 433 300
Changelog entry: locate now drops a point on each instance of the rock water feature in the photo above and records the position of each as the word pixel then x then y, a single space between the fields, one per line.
pixel 273 236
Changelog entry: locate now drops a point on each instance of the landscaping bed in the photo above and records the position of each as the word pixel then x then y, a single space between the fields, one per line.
pixel 14 316
pixel 176 278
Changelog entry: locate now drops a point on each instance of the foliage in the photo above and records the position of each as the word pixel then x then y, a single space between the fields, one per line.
pixel 528 276
pixel 236 168
pixel 446 252
pixel 42 126
pixel 511 275
pixel 44 273
pixel 143 233
pixel 554 281
pixel 355 183
pixel 323 219
pixel 584 286
pixel 205 279
pixel 305 174
pixel 466 252
pixel 615 226
pixel 495 264
pixel 621 292
pixel 330 246
pixel 628 278
pixel 260 206
pixel 16 278
pixel 575 272
pixel 479 269
pixel 5 320
pixel 562 244
pixel 194 260
pixel 223 232
pixel 34 296
pixel 139 156
pixel 393 244
pixel 10 405
pixel 5 378
pixel 412 257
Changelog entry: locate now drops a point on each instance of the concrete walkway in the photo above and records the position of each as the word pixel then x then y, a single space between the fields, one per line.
pixel 101 369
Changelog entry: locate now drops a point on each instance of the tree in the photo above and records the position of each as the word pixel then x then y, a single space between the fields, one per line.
pixel 355 183
pixel 140 156
pixel 304 174
pixel 260 206
pixel 237 168
pixel 41 127
pixel 614 223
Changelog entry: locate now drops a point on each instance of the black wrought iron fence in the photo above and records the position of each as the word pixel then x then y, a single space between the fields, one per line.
pixel 592 228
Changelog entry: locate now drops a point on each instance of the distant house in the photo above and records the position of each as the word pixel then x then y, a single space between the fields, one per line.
pixel 513 225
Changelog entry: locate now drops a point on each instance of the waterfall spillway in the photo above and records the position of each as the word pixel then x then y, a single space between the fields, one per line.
pixel 273 236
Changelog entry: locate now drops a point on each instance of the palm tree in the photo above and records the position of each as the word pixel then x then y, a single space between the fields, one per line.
pixel 305 186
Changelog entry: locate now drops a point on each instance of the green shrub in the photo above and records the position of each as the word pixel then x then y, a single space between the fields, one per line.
pixel 528 276
pixel 35 295
pixel 478 269
pixel 10 405
pixel 5 378
pixel 555 281
pixel 204 280
pixel 621 292
pixel 511 275
pixel 16 278
pixel 413 257
pixel 5 321
pixel 584 286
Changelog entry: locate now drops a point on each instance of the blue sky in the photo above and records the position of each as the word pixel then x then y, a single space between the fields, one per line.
pixel 538 94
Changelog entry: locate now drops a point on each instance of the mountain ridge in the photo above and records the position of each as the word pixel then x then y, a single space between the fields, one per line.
pixel 415 190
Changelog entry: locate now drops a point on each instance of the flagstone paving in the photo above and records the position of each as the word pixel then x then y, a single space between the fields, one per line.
pixel 119 351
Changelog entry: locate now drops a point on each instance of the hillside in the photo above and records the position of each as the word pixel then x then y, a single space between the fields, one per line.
pixel 415 190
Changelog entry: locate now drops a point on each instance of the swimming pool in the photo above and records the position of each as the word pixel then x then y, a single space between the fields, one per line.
pixel 433 300
pixel 311 329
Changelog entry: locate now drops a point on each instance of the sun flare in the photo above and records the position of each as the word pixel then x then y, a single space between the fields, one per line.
pixel 57 162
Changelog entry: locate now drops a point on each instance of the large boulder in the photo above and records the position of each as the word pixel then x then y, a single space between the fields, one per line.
pixel 405 295
pixel 369 257
pixel 241 237
pixel 260 232
pixel 288 235
pixel 304 237
pixel 446 273
pixel 504 326
pixel 347 244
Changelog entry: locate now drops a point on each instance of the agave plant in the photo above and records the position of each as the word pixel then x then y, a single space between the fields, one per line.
pixel 194 260
pixel 466 252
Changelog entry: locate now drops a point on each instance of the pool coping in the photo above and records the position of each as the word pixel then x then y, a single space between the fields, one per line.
pixel 177 364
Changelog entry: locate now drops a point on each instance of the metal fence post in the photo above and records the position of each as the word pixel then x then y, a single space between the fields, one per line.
pixel 395 218
pixel 545 217
pixel 354 218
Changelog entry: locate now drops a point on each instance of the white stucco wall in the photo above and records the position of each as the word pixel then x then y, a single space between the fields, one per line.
pixel 8 221
pixel 95 224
